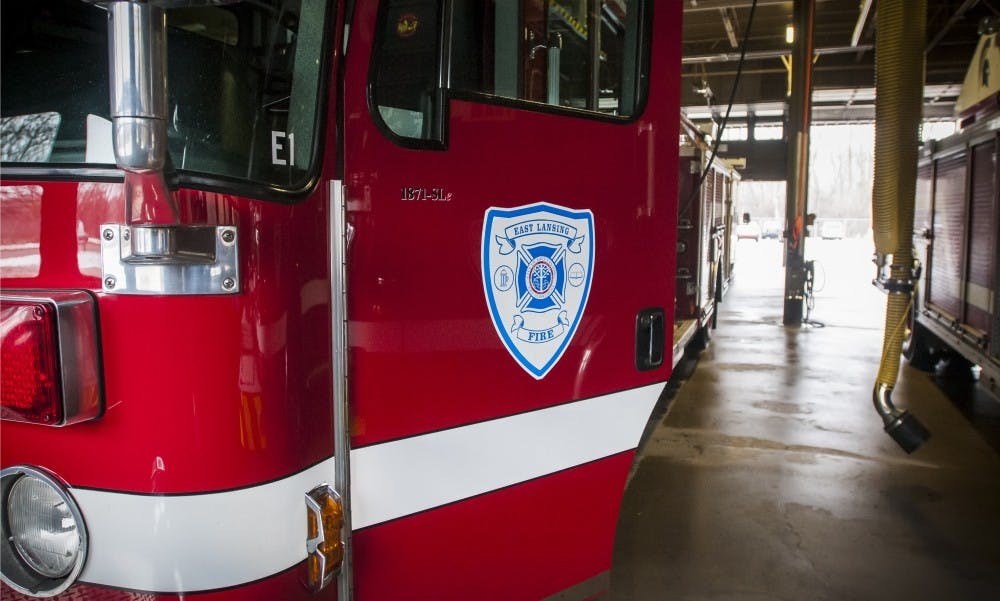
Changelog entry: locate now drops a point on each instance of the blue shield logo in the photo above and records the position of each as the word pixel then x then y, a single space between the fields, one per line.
pixel 537 266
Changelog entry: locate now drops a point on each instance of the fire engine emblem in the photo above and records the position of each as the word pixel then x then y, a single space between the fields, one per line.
pixel 537 266
pixel 407 25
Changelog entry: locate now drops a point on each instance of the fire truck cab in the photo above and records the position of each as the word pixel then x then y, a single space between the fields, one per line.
pixel 330 299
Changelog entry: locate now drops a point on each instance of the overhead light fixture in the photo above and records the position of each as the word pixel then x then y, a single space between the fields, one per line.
pixel 789 34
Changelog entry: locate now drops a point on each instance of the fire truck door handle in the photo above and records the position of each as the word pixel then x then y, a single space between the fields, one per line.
pixel 649 338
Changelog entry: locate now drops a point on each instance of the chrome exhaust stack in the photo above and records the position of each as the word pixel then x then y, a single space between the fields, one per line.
pixel 138 76
pixel 153 253
pixel 902 426
pixel 137 50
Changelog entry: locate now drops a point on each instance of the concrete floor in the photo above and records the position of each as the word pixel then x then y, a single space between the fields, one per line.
pixel 770 477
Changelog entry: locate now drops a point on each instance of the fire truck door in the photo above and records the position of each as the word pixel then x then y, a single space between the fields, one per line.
pixel 502 249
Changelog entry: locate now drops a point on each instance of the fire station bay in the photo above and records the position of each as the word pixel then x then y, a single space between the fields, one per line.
pixel 500 300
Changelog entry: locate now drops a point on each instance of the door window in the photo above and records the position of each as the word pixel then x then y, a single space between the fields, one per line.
pixel 406 69
pixel 578 54
pixel 584 56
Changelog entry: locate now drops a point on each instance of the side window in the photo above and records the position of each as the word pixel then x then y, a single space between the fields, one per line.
pixel 406 84
pixel 244 84
pixel 54 83
pixel 580 54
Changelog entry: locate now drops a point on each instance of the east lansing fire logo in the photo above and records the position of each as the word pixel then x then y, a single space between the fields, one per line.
pixel 537 266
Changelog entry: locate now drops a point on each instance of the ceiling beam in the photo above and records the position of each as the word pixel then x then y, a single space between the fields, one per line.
pixel 864 17
pixel 693 6
pixel 954 19
pixel 727 22
pixel 728 57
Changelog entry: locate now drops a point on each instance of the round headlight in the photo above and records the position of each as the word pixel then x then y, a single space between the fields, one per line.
pixel 43 532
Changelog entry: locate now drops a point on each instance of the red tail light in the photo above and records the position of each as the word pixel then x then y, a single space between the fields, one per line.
pixel 49 358
pixel 30 364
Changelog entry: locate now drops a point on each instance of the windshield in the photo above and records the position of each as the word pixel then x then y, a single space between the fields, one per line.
pixel 243 86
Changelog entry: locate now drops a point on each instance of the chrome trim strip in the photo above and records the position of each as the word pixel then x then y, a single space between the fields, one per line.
pixel 71 172
pixel 79 356
pixel 338 367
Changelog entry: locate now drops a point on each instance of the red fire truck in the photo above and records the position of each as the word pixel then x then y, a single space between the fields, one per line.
pixel 333 299
pixel 705 221
pixel 956 227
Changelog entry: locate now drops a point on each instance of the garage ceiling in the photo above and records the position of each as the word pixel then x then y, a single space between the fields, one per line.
pixel 844 67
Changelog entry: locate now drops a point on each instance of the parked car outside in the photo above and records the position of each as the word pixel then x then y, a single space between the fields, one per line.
pixel 771 230
pixel 832 230
pixel 750 231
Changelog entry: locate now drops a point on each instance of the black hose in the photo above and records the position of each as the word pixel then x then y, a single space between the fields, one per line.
pixel 725 119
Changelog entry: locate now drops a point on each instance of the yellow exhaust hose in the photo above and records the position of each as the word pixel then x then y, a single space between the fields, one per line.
pixel 899 82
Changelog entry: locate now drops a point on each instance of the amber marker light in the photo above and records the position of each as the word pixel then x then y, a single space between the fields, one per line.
pixel 324 545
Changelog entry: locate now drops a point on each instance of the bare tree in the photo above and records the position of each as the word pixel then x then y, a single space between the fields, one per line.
pixel 28 138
